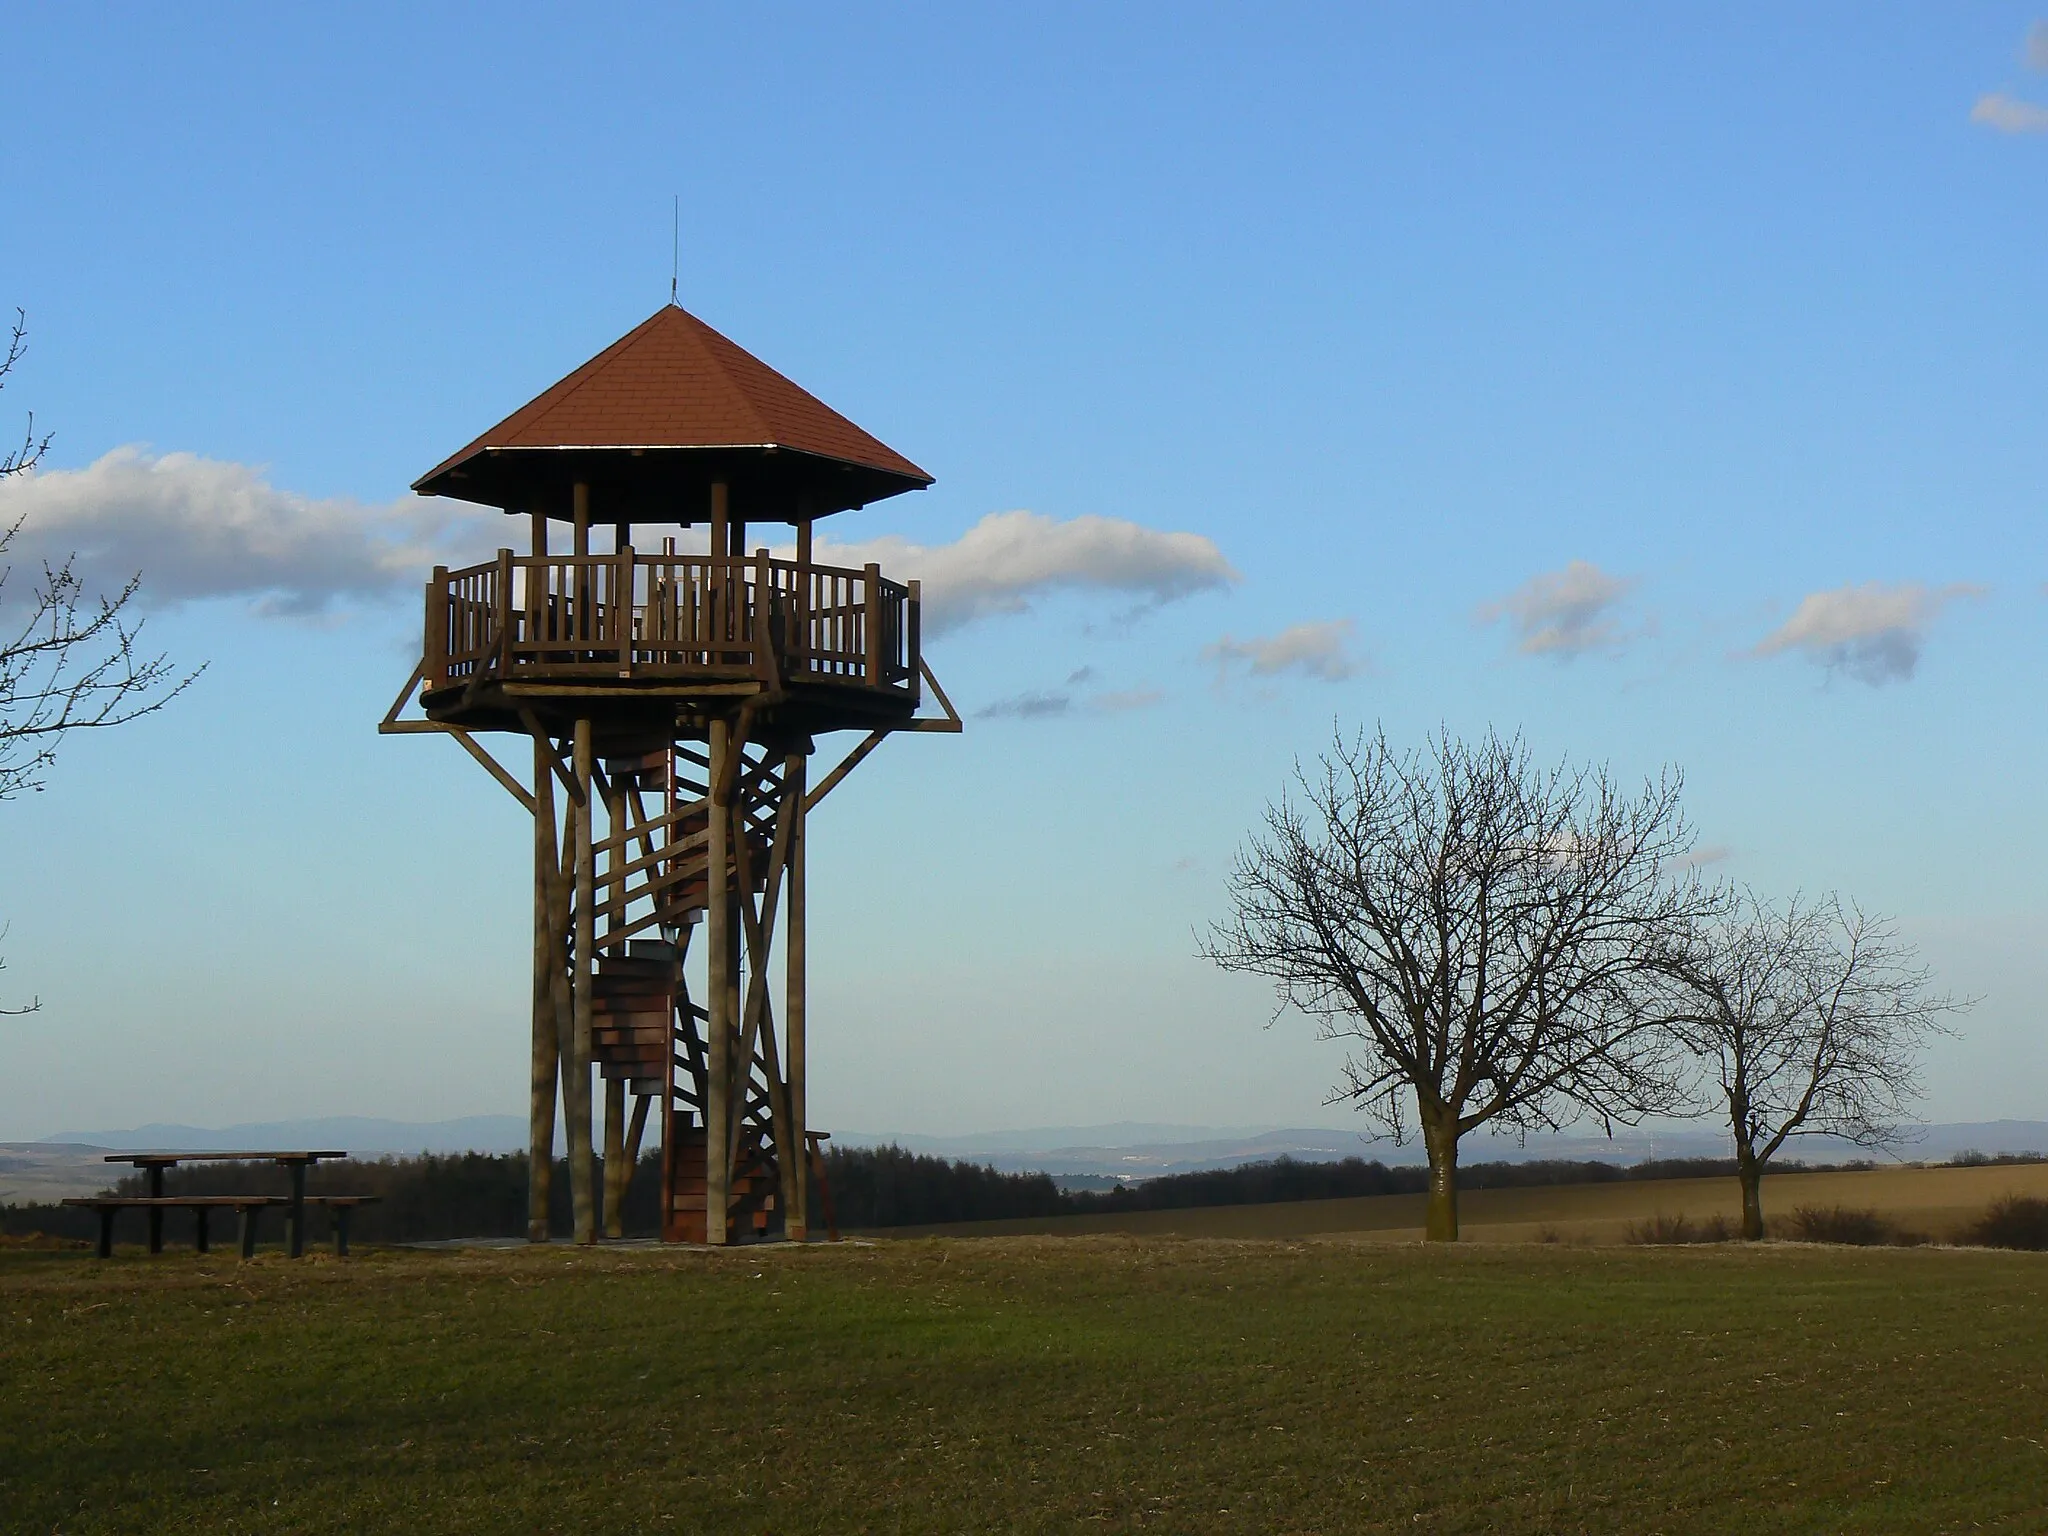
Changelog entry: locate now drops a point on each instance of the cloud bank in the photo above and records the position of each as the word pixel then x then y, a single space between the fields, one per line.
pixel 1873 632
pixel 2008 114
pixel 1053 704
pixel 1318 650
pixel 201 528
pixel 1563 613
pixel 1009 560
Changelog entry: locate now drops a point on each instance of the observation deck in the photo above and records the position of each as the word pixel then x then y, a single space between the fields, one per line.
pixel 672 704
pixel 657 643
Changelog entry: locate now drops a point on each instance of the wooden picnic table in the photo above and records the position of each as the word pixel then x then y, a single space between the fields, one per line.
pixel 154 1164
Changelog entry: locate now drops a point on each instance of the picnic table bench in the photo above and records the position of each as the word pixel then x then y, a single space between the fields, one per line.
pixel 246 1207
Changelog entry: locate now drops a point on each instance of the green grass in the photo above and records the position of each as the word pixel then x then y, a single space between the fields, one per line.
pixel 1030 1385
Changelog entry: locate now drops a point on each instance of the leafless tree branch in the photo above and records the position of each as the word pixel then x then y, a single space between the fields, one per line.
pixel 69 660
pixel 1809 1019
pixel 1488 932
pixel 31 450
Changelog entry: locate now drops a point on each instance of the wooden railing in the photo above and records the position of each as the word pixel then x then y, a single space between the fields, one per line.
pixel 670 616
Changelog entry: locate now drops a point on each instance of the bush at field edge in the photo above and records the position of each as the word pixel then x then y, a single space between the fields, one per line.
pixel 2013 1221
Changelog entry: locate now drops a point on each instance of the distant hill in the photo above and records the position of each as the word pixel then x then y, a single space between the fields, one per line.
pixel 1134 1152
pixel 1124 1150
pixel 356 1134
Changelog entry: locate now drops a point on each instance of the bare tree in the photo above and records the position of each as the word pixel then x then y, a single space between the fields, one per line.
pixel 1809 1018
pixel 23 458
pixel 1488 932
pixel 69 659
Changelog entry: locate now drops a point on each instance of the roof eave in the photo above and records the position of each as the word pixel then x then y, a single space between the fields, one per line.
pixel 434 483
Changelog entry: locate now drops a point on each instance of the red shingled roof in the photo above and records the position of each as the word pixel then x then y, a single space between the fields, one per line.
pixel 673 382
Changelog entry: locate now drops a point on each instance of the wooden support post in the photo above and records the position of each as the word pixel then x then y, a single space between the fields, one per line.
pixel 156 1212
pixel 665 1228
pixel 642 1102
pixel 561 985
pixel 800 644
pixel 757 928
pixel 434 657
pixel 246 1233
pixel 721 539
pixel 616 1168
pixel 501 620
pixel 871 627
pixel 767 661
pixel 537 585
pixel 583 956
pixel 722 983
pixel 913 645
pixel 199 1233
pixel 622 612
pixel 295 1214
pixel 616 860
pixel 817 1139
pixel 580 584
pixel 796 1181
pixel 547 961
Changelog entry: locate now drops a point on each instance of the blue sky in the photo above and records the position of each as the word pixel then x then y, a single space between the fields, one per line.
pixel 1402 310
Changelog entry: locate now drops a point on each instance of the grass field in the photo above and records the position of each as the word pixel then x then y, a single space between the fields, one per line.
pixel 1937 1201
pixel 1030 1384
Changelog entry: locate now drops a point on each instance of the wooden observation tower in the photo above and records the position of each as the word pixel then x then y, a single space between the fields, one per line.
pixel 672 700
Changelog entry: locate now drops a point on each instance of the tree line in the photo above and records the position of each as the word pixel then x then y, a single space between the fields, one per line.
pixel 433 1197
pixel 1514 946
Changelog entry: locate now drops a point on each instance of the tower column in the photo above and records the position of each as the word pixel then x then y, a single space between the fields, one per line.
pixel 617 1167
pixel 576 1082
pixel 722 984
pixel 796 1178
pixel 547 959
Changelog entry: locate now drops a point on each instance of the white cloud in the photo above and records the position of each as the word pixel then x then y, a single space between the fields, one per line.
pixel 1706 857
pixel 1009 559
pixel 1873 632
pixel 1052 704
pixel 1311 650
pixel 2008 114
pixel 1034 704
pixel 1124 700
pixel 1563 613
pixel 200 528
pixel 204 528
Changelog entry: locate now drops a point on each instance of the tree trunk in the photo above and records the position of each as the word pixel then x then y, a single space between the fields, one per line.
pixel 1749 1173
pixel 1440 1139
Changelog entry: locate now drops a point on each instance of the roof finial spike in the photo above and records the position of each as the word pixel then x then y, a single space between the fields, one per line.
pixel 675 249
